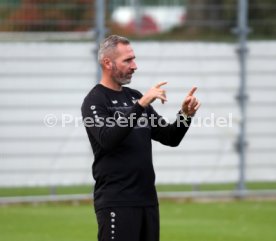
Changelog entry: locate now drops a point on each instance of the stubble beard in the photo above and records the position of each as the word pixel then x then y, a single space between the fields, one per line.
pixel 119 77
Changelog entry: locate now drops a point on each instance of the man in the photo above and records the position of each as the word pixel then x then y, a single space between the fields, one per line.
pixel 121 125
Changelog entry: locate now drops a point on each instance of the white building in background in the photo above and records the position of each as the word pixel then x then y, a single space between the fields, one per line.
pixel 151 19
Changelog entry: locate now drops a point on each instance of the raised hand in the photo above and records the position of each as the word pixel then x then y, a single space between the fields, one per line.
pixel 190 105
pixel 152 94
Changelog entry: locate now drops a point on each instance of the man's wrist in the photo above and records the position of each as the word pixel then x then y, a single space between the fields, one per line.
pixel 184 115
pixel 141 103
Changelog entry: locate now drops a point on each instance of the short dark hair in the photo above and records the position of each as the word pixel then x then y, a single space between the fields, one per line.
pixel 110 43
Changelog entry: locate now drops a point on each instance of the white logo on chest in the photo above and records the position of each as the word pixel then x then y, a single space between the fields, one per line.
pixel 118 115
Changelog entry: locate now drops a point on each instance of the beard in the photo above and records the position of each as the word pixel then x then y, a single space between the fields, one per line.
pixel 120 77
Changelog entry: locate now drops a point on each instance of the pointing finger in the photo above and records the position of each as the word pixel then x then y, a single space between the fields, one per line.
pixel 188 100
pixel 192 91
pixel 160 84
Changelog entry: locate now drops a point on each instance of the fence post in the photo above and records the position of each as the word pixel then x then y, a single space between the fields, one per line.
pixel 137 10
pixel 242 32
pixel 100 31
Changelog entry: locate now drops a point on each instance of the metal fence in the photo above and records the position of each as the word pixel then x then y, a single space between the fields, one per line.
pixel 155 19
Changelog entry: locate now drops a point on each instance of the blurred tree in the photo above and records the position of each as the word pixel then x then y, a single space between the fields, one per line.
pixel 47 15
pixel 218 15
pixel 13 2
pixel 262 17
pixel 212 14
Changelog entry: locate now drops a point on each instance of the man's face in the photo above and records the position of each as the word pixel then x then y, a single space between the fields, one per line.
pixel 123 64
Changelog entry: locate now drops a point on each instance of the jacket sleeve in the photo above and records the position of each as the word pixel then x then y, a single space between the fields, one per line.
pixel 167 133
pixel 107 131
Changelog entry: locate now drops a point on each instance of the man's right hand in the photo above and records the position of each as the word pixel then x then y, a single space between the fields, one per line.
pixel 152 94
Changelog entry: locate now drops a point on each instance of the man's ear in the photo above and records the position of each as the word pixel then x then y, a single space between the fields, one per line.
pixel 107 63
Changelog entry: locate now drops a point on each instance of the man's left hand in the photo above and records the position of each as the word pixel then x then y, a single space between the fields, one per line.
pixel 190 105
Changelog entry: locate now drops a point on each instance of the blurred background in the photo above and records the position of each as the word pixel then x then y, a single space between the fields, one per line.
pixel 227 48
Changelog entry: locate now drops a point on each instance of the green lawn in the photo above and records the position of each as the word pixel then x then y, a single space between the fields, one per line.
pixel 28 191
pixel 232 221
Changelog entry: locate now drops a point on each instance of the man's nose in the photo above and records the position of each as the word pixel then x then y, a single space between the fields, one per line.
pixel 133 65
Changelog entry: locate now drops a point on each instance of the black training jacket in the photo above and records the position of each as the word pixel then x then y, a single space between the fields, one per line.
pixel 120 133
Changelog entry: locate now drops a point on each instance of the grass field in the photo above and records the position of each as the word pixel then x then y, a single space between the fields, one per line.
pixel 26 191
pixel 225 221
